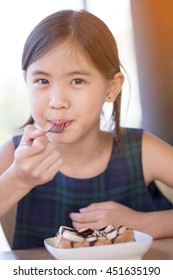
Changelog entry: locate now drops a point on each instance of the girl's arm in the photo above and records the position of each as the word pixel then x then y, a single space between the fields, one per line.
pixel 25 168
pixel 97 215
pixel 9 182
pixel 157 160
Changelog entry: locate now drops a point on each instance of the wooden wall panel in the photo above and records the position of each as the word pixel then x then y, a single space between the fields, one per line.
pixel 153 33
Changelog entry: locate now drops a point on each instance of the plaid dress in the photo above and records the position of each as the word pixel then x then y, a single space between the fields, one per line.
pixel 46 207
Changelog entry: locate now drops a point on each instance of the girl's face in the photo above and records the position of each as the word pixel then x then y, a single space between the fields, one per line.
pixel 65 87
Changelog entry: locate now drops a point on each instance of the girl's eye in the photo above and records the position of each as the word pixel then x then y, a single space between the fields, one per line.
pixel 42 82
pixel 77 82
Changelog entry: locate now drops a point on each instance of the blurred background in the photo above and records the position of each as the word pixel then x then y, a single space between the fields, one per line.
pixel 18 18
pixel 143 31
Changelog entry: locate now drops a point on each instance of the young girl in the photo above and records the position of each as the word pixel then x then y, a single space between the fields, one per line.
pixel 69 172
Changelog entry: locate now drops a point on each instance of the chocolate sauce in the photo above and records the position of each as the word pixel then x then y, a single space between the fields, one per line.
pixel 87 232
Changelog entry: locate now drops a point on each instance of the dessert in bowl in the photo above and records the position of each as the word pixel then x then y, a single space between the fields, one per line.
pixel 105 243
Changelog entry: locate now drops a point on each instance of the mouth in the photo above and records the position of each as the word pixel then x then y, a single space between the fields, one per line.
pixel 59 126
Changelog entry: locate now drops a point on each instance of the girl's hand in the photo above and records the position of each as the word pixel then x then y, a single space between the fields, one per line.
pixel 36 160
pixel 98 215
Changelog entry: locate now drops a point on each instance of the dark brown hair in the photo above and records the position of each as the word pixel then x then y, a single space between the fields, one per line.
pixel 88 31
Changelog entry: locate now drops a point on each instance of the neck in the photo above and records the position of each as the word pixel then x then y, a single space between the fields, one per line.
pixel 82 149
pixel 87 157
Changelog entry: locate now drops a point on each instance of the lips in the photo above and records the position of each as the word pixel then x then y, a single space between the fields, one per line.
pixel 58 126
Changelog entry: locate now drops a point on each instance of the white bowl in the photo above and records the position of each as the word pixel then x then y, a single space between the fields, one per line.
pixel 122 251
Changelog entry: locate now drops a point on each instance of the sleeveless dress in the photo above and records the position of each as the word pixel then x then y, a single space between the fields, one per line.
pixel 42 211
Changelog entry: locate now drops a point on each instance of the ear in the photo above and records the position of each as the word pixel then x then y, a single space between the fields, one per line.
pixel 114 87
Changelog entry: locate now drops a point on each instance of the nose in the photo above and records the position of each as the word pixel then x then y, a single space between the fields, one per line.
pixel 58 99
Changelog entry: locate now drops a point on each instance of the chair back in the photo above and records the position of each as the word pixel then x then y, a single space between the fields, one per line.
pixel 4 245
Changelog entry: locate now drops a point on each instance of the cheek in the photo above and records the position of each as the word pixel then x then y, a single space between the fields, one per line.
pixel 95 103
pixel 93 99
pixel 90 110
pixel 37 108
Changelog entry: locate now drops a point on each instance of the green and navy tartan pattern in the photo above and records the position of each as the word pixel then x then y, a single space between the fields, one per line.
pixel 42 211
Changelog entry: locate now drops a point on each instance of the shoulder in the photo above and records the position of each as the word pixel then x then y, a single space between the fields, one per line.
pixel 152 143
pixel 132 139
pixel 130 146
pixel 132 134
pixel 157 158
pixel 7 152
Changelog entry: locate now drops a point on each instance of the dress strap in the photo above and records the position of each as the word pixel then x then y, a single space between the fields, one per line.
pixel 16 140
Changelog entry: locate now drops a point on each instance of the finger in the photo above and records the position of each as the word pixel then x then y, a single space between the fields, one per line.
pixel 36 146
pixel 42 145
pixel 39 161
pixel 30 133
pixel 94 225
pixel 47 173
pixel 84 217
pixel 49 159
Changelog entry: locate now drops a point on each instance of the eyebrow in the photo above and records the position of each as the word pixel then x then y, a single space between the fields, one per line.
pixel 39 72
pixel 79 72
pixel 75 72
